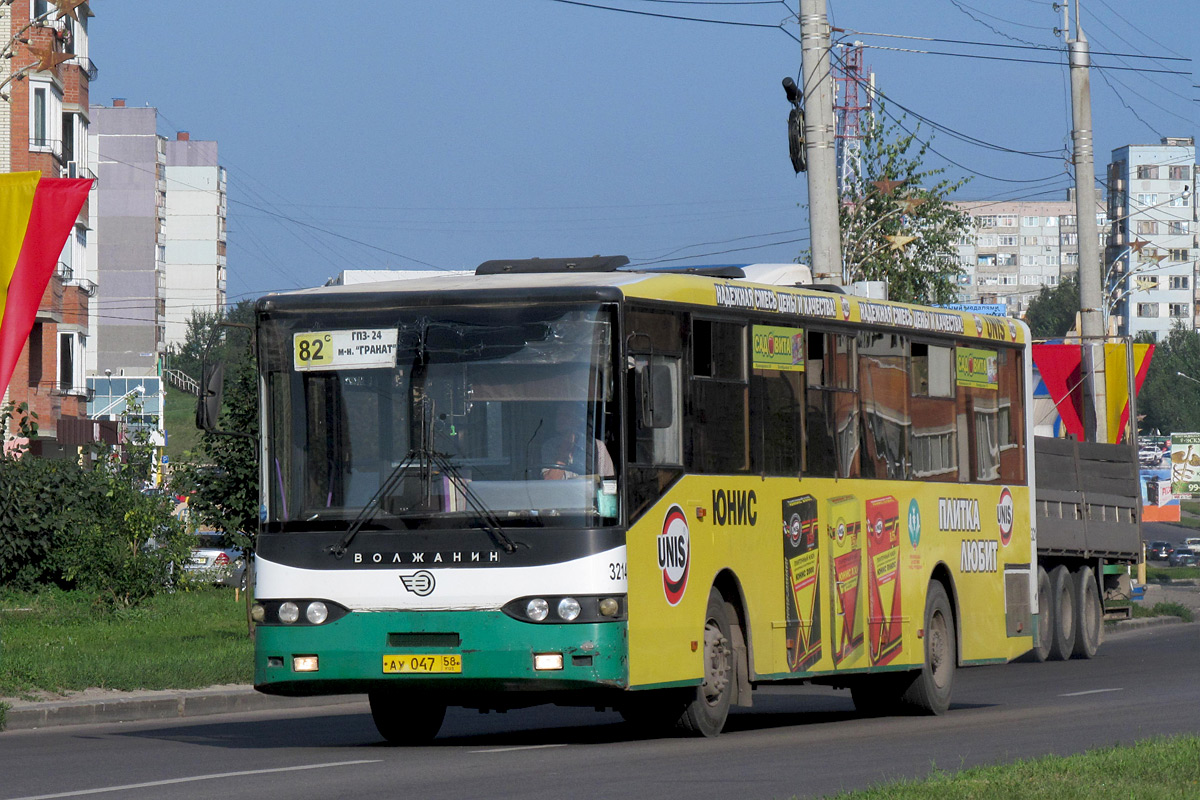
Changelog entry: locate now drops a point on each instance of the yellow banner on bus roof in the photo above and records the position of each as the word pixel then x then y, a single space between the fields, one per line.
pixel 698 290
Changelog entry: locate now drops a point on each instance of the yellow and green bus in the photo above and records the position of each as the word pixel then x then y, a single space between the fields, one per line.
pixel 571 481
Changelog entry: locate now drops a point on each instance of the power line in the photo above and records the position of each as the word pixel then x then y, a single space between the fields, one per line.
pixel 667 16
pixel 1011 46
pixel 1014 60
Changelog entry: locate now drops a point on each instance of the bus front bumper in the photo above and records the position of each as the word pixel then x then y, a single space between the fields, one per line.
pixel 496 653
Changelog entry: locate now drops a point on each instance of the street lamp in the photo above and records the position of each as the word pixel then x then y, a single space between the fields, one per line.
pixel 1188 377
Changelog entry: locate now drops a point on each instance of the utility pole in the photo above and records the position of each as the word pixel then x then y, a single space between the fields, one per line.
pixel 1091 300
pixel 825 228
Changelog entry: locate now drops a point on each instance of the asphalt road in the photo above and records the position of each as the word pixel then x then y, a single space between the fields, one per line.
pixel 802 742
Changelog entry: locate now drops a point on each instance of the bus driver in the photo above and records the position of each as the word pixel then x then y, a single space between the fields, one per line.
pixel 564 455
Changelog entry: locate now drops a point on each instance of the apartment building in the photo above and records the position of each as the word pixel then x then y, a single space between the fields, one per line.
pixel 44 126
pixel 160 217
pixel 1153 244
pixel 194 259
pixel 1016 247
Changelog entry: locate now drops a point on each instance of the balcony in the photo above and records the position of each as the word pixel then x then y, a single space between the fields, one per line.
pixel 86 66
pixel 63 389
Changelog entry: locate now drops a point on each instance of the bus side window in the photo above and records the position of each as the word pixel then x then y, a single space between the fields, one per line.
pixel 777 420
pixel 831 447
pixel 883 378
pixel 991 417
pixel 934 429
pixel 718 419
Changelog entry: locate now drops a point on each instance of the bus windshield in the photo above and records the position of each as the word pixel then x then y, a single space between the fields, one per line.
pixel 437 416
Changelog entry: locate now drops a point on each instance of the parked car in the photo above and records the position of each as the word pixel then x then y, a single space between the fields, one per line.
pixel 1192 543
pixel 1183 558
pixel 1160 551
pixel 214 560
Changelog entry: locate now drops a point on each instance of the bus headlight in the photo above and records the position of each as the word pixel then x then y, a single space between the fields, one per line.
pixel 316 613
pixel 258 613
pixel 609 607
pixel 289 612
pixel 568 608
pixel 537 609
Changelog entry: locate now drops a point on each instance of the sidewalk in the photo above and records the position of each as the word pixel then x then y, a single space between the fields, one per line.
pixel 106 706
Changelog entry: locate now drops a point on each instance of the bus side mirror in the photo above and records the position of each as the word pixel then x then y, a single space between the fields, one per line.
pixel 656 397
pixel 208 405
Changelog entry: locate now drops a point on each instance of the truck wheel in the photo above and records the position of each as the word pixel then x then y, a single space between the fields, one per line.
pixel 406 719
pixel 1089 618
pixel 706 713
pixel 929 692
pixel 1045 632
pixel 1062 593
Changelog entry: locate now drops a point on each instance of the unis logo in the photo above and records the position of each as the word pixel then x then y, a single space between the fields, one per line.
pixel 674 554
pixel 419 583
pixel 1004 516
pixel 793 529
pixel 914 522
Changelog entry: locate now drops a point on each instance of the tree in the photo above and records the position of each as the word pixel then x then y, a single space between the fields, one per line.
pixel 1167 402
pixel 901 226
pixel 222 483
pixel 1052 313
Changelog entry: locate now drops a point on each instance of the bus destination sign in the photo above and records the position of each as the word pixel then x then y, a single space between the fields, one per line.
pixel 362 348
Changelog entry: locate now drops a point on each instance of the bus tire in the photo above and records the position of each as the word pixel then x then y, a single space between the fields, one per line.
pixel 1089 620
pixel 1045 631
pixel 929 692
pixel 1062 595
pixel 406 719
pixel 705 715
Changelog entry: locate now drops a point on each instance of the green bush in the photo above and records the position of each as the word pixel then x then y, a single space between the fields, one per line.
pixel 65 525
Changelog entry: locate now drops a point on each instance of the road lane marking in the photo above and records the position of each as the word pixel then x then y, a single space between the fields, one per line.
pixel 508 749
pixel 150 784
pixel 1091 691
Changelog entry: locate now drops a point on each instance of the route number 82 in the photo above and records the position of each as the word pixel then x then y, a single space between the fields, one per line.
pixel 313 349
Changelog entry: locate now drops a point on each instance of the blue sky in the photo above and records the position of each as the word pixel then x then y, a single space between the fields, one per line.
pixel 418 134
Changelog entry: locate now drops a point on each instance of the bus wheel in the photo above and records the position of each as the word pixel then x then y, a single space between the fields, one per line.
pixel 1045 632
pixel 706 713
pixel 1062 595
pixel 1088 621
pixel 405 719
pixel 930 690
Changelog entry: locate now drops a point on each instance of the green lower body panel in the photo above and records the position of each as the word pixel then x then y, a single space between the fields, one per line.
pixel 497 655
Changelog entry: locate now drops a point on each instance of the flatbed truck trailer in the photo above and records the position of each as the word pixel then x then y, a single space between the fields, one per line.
pixel 1088 536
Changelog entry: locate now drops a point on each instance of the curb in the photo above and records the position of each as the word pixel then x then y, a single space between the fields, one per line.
pixel 1113 626
pixel 159 706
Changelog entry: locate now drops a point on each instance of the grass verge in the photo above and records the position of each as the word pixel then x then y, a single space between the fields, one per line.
pixel 1156 769
pixel 1169 574
pixel 57 641
pixel 1164 610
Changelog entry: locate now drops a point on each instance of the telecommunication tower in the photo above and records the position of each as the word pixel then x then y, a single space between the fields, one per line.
pixel 853 87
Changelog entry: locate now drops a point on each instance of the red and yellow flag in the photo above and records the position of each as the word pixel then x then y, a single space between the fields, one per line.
pixel 36 216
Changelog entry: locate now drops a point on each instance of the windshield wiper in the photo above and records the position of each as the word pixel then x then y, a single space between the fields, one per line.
pixel 372 507
pixel 487 518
